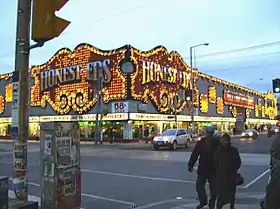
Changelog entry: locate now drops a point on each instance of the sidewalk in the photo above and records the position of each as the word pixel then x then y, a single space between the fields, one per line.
pixel 237 206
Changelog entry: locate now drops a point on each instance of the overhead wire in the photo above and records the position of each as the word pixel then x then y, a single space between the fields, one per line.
pixel 92 23
pixel 241 67
pixel 240 57
pixel 238 50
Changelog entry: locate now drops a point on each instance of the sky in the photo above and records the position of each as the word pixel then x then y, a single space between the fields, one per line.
pixel 177 24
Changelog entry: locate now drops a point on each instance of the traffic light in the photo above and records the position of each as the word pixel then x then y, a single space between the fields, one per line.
pixel 188 95
pixel 45 24
pixel 276 85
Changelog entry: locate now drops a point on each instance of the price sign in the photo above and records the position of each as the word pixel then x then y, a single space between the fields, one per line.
pixel 119 107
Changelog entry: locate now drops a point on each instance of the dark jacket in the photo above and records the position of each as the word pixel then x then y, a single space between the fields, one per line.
pixel 272 200
pixel 204 152
pixel 227 162
pixel 275 150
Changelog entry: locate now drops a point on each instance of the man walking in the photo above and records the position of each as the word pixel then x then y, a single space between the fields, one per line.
pixel 204 150
pixel 271 200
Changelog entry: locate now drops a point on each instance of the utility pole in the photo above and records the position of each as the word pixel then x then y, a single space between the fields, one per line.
pixel 192 82
pixel 175 107
pixel 98 124
pixel 45 26
pixel 101 107
pixel 20 111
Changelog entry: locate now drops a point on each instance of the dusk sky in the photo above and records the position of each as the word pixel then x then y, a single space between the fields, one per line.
pixel 177 24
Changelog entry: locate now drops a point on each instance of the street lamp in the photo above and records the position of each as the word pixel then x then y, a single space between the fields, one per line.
pixel 192 76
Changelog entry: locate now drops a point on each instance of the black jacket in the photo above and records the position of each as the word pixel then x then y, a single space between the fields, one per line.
pixel 227 162
pixel 272 200
pixel 204 151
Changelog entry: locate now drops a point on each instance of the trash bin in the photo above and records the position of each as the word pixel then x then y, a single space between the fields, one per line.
pixel 4 196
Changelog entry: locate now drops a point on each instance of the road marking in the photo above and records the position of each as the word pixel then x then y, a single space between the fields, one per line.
pixel 108 199
pixel 90 196
pixel 151 205
pixel 149 177
pixel 121 174
pixel 136 176
pixel 256 179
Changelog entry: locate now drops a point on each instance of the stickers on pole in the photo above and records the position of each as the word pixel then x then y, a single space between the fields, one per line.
pixel 15 104
pixel 20 154
pixel 48 144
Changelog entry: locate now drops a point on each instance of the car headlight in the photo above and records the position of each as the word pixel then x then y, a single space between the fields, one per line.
pixel 199 138
pixel 243 134
pixel 170 138
pixel 276 130
pixel 251 134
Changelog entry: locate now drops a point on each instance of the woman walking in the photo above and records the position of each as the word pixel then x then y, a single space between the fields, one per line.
pixel 227 162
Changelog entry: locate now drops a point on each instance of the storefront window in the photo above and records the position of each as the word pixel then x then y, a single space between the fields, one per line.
pixel 82 129
pixel 34 129
pixel 4 129
pixel 110 130
pixel 113 130
pixel 148 129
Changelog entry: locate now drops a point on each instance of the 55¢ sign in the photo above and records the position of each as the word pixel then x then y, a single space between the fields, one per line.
pixel 118 107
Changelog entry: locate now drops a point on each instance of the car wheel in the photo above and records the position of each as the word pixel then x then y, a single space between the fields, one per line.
pixel 174 145
pixel 188 143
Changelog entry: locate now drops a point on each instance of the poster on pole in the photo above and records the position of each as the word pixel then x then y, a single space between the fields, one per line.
pixel 67 138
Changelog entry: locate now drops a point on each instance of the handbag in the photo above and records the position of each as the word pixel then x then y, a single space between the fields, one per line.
pixel 239 179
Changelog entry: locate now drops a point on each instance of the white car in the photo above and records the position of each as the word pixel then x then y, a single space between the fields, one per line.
pixel 172 138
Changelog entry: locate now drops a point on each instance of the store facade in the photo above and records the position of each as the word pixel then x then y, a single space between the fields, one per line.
pixel 143 92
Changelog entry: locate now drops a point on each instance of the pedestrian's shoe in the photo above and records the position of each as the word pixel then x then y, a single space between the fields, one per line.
pixel 201 205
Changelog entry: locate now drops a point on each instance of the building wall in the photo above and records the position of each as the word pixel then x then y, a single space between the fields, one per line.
pixel 136 57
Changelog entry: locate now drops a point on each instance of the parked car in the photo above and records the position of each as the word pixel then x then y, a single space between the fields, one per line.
pixel 172 138
pixel 250 133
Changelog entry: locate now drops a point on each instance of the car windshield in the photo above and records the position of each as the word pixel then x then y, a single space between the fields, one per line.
pixel 250 130
pixel 170 132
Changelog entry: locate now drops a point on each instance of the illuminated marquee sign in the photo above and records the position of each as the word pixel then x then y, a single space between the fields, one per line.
pixel 72 74
pixel 270 105
pixel 212 94
pixel 161 77
pixel 69 79
pixel 238 100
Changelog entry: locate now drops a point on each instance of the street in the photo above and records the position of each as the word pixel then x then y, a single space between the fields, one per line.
pixel 123 176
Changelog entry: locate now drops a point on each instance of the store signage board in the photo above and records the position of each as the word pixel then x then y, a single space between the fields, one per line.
pixel 88 117
pixel 238 100
pixel 119 107
pixel 69 79
pixel 159 76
